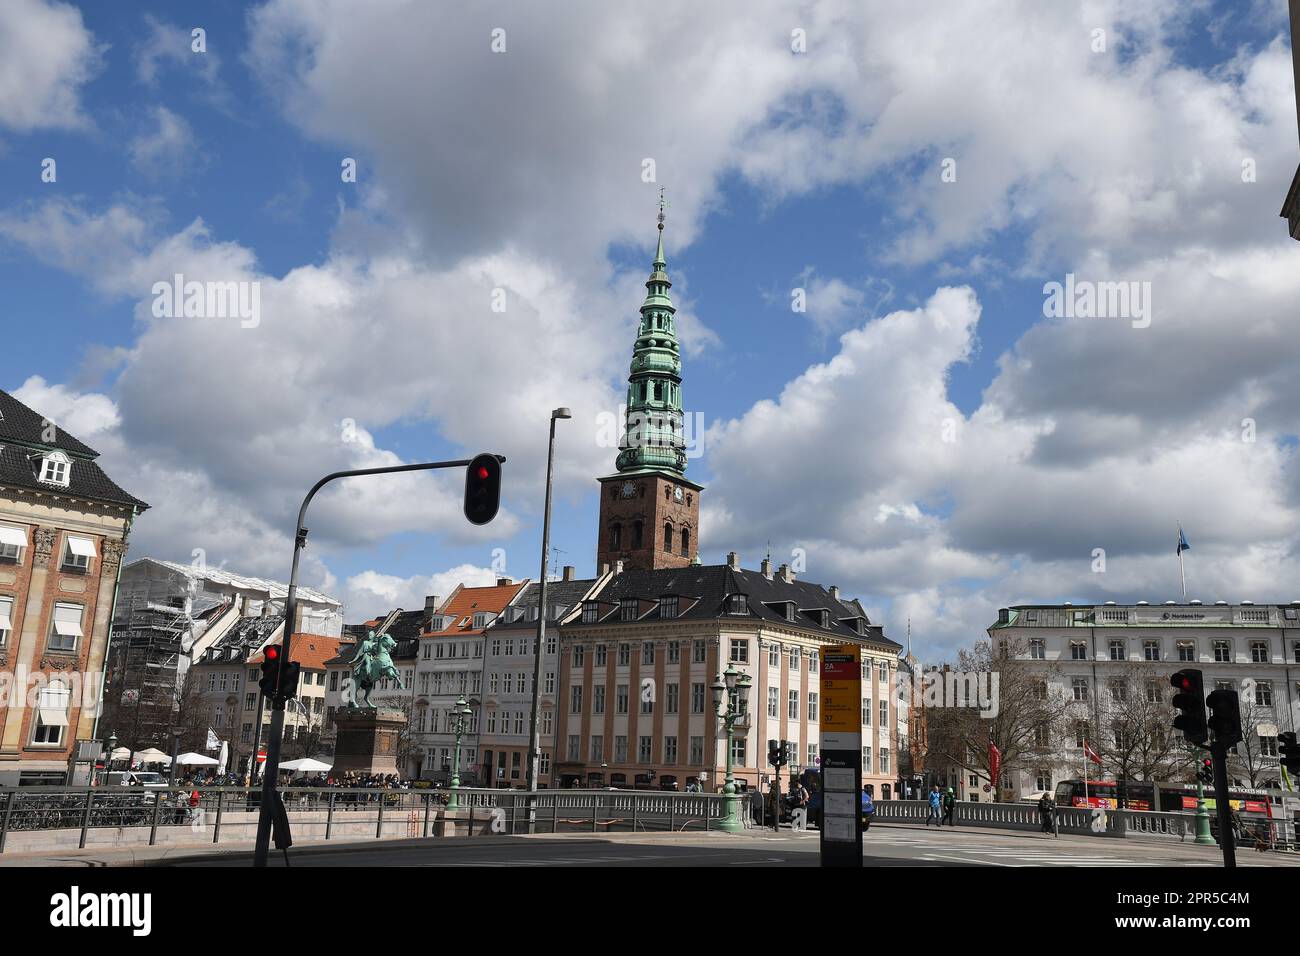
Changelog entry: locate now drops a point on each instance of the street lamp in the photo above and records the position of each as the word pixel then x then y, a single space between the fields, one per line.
pixel 108 757
pixel 176 750
pixel 730 700
pixel 535 737
pixel 460 714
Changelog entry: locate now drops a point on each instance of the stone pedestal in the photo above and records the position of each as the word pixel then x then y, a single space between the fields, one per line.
pixel 366 741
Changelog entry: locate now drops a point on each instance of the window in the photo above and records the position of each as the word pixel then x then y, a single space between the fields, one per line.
pixel 628 610
pixel 686 541
pixel 12 542
pixel 579 655
pixel 738 751
pixel 812 706
pixel 624 655
pixel 481 620
pixel 1116 650
pixel 1078 651
pixel 1222 652
pixel 795 659
pixel 590 612
pixel 774 655
pixel 574 748
pixel 866 760
pixel 598 699
pixel 510 647
pixel 672 698
pixel 1042 736
pixel 698 653
pixel 77 552
pixel 55 468
pixel 602 655
pixel 668 606
pixel 697 751
pixel 621 699
pixel 668 537
pixel 1037 649
pixel 1080 732
pixel 1267 746
pixel 1042 780
pixel 643 749
pixel 739 651
pixel 637 533
pixel 1119 691
pixel 548 687
pixel 496 647
pixel 616 536
pixel 884 718
pixel 1264 693
pixel 250 701
pixel 1079 685
pixel 491 722
pixel 1151 650
pixel 476 682
pixel 493 682
pixel 792 705
pixel 647 652
pixel 548 721
pixel 1295 651
pixel 774 702
pixel 1259 652
pixel 550 644
pixel 1155 692
pixel 790 611
pixel 575 700
pixel 884 670
pixel 737 604
pixel 697 698
pixel 6 618
pixel 597 748
pixel 884 760
pixel 519 722
pixel 670 750
pixel 52 714
pixel 814 662
pixel 1186 651
pixel 620 750
pixel 65 629
pixel 674 652
pixel 866 712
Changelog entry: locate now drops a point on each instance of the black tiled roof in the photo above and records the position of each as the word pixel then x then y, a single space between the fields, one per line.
pixel 20 447
pixel 703 589
pixel 243 639
pixel 566 593
pixel 405 630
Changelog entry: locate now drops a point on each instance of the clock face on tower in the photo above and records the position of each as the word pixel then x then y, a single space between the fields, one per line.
pixel 628 490
pixel 677 493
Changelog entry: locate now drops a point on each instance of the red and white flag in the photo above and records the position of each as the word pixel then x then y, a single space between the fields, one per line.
pixel 1090 753
pixel 995 764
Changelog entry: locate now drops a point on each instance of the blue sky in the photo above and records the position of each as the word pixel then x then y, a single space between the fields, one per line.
pixel 817 170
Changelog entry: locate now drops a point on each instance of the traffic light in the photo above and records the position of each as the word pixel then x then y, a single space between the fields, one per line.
pixel 279 679
pixel 1189 700
pixel 787 753
pixel 773 753
pixel 1289 751
pixel 482 489
pixel 1205 773
pixel 1225 717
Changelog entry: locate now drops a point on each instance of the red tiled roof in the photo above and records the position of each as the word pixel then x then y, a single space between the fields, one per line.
pixel 309 650
pixel 464 602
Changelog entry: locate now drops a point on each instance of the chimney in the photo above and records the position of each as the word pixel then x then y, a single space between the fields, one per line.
pixel 835 592
pixel 618 566
pixel 570 572
pixel 502 582
pixel 766 567
pixel 733 560
pixel 786 574
pixel 604 569
pixel 431 603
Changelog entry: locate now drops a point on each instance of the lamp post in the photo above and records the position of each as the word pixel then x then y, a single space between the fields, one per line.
pixel 108 757
pixel 534 736
pixel 460 714
pixel 176 750
pixel 730 695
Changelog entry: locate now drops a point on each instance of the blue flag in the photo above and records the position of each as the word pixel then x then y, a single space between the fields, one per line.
pixel 1182 542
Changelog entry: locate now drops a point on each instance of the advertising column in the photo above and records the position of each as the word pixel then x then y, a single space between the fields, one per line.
pixel 841 746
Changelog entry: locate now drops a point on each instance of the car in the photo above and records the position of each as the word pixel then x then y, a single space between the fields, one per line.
pixel 134 778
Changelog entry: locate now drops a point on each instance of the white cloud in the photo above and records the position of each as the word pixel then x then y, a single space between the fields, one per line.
pixel 166 151
pixel 373 592
pixel 46 56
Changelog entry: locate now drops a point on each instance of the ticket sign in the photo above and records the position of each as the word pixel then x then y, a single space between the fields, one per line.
pixel 840 739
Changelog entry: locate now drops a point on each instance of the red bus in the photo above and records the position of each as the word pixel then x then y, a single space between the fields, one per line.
pixel 1135 794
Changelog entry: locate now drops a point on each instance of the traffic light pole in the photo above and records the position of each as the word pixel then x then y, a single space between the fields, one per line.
pixel 271 770
pixel 1219 754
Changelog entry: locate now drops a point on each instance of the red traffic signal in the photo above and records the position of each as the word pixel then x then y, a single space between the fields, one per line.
pixel 482 489
pixel 1190 703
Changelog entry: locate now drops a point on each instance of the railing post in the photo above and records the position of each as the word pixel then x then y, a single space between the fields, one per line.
pixel 329 817
pixel 379 823
pixel 10 797
pixel 595 805
pixel 85 818
pixel 221 805
pixel 635 801
pixel 426 814
pixel 157 807
pixel 555 814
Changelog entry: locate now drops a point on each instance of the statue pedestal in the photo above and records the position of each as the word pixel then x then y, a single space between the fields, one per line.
pixel 366 741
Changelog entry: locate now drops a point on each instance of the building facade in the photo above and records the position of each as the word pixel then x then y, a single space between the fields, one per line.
pixel 640 654
pixel 1086 652
pixel 63 531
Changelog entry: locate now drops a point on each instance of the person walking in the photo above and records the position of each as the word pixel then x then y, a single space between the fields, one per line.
pixel 934 807
pixel 1045 813
pixel 949 808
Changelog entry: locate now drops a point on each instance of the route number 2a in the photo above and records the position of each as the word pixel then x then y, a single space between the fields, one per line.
pixel 799 818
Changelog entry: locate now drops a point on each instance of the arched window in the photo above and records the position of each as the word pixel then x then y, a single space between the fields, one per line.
pixel 615 536
pixel 686 542
pixel 636 534
pixel 668 537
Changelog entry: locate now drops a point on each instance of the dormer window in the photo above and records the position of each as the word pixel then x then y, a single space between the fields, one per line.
pixel 628 609
pixel 789 611
pixel 668 606
pixel 77 553
pixel 55 468
pixel 481 619
pixel 736 604
pixel 590 612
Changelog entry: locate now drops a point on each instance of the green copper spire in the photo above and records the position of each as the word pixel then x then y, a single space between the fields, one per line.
pixel 652 438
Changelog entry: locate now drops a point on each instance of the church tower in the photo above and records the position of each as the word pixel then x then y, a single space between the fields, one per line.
pixel 649 511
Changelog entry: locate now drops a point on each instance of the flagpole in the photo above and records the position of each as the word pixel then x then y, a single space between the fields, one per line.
pixel 1181 576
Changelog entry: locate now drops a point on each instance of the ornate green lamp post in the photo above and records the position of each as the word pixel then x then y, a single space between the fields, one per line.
pixel 460 714
pixel 730 695
pixel 1203 835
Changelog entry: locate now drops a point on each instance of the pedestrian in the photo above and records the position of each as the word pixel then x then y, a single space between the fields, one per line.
pixel 934 807
pixel 949 808
pixel 868 807
pixel 1045 809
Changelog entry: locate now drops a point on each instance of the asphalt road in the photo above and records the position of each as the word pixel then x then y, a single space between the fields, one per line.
pixel 883 846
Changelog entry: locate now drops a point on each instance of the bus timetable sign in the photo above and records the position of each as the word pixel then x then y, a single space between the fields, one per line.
pixel 841 753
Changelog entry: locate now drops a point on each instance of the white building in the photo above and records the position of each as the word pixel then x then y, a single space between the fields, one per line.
pixel 1253 649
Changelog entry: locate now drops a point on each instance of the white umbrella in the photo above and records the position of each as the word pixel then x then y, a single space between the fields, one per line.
pixel 195 760
pixel 120 753
pixel 152 755
pixel 305 765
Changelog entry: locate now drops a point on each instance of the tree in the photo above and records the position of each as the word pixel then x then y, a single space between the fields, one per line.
pixel 1135 738
pixel 1021 715
pixel 1250 760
